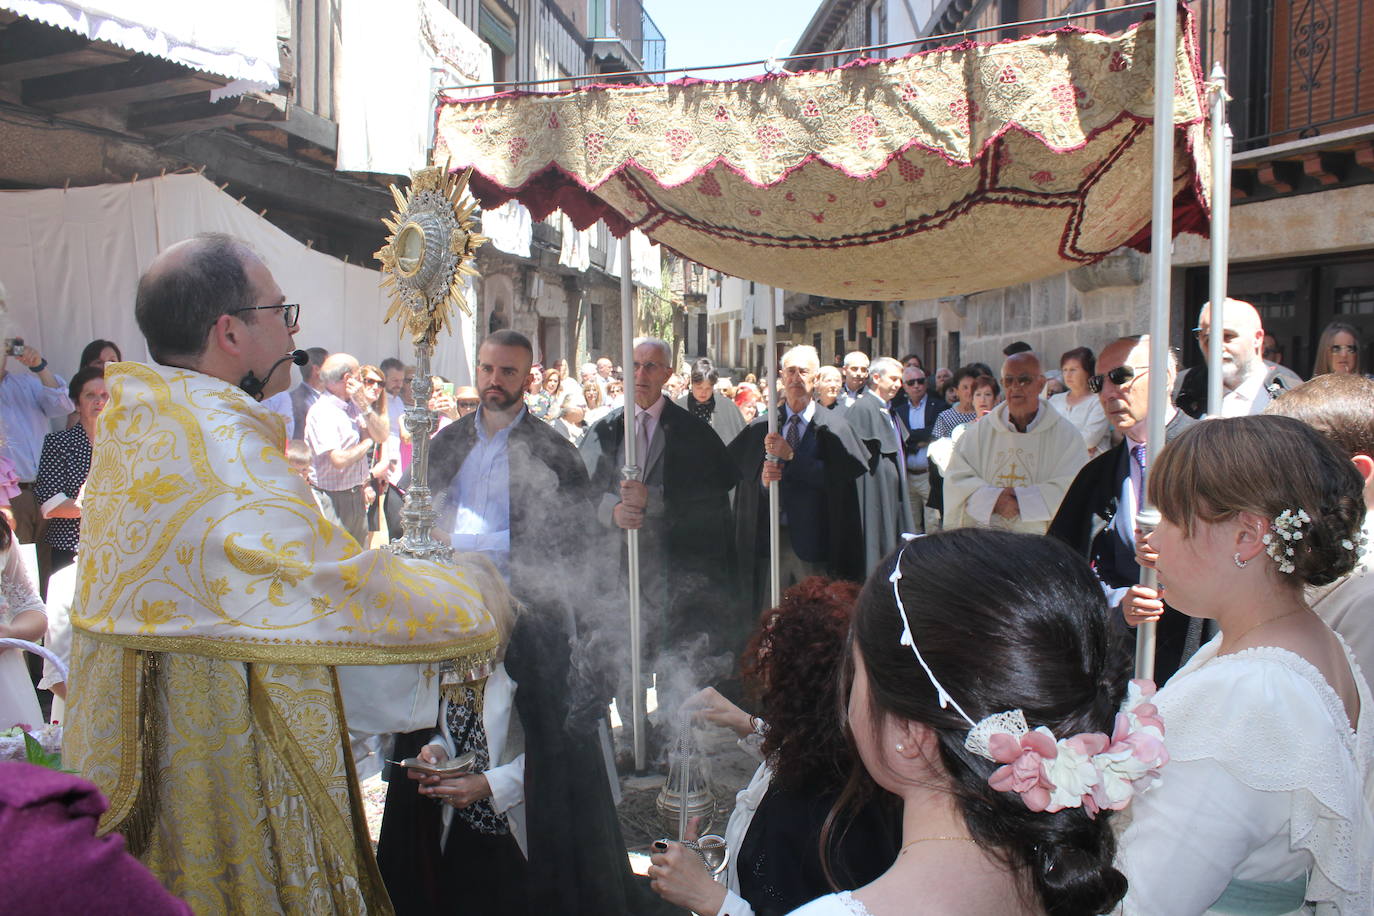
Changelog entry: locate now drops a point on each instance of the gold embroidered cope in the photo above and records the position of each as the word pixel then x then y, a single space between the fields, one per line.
pixel 213 599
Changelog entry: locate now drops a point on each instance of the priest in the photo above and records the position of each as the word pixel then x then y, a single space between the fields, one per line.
pixel 1012 468
pixel 214 600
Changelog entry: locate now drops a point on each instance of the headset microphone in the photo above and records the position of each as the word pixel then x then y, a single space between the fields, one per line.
pixel 254 385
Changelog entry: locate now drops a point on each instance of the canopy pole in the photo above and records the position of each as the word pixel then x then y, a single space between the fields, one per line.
pixel 774 500
pixel 1161 263
pixel 631 471
pixel 1222 141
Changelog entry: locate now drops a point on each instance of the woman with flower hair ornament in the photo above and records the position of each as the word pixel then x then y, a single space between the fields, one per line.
pixel 1265 808
pixel 990 695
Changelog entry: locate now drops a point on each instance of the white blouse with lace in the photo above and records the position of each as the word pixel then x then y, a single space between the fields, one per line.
pixel 1264 806
pixel 18 702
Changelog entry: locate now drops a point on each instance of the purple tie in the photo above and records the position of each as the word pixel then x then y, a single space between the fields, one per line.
pixel 793 434
pixel 1138 453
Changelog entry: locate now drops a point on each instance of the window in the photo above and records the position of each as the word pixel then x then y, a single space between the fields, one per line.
pixel 1274 306
pixel 497 30
pixel 1355 300
pixel 595 323
pixel 875 32
pixel 816 342
pixel 839 345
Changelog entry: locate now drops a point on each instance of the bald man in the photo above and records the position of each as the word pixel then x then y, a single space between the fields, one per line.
pixel 1011 468
pixel 1248 382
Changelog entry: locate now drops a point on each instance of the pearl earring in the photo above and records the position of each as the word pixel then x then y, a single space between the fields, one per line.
pixel 1239 562
pixel 900 748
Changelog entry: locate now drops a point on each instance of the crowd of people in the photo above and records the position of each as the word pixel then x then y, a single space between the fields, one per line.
pixel 946 719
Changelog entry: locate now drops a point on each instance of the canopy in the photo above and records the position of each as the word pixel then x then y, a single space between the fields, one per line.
pixel 964 168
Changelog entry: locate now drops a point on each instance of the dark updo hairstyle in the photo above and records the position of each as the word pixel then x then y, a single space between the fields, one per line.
pixel 1265 464
pixel 92 352
pixel 998 638
pixel 703 370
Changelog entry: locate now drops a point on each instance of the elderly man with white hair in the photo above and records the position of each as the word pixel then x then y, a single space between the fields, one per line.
pixel 680 505
pixel 1247 380
pixel 1011 468
pixel 817 460
pixel 883 495
pixel 341 429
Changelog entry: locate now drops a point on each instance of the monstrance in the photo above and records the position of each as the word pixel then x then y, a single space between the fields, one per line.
pixel 425 259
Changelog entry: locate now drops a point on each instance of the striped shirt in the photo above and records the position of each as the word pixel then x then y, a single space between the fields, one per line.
pixel 333 425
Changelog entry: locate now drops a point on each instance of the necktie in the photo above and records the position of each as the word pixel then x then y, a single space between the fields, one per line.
pixel 1138 453
pixel 642 438
pixel 793 433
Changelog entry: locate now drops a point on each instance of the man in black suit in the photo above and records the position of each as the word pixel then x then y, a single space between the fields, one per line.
pixel 510 487
pixel 915 410
pixel 681 508
pixel 1097 515
pixel 817 461
pixel 883 497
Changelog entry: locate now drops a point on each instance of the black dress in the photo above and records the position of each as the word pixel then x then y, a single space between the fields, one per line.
pixel 780 861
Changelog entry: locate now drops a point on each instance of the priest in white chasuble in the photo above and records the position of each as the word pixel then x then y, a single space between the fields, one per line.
pixel 1011 468
pixel 214 601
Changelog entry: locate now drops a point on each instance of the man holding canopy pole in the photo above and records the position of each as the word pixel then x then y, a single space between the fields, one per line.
pixel 680 508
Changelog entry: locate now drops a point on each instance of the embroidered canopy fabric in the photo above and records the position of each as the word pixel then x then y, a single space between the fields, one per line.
pixel 959 169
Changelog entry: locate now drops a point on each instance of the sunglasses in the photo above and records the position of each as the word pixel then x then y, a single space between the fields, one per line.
pixel 472 404
pixel 373 381
pixel 1120 377
pixel 1344 348
pixel 914 381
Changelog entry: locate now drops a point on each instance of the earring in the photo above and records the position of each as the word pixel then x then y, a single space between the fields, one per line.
pixel 900 748
pixel 1239 562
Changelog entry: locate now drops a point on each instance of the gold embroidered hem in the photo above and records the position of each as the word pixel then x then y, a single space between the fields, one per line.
pixel 246 801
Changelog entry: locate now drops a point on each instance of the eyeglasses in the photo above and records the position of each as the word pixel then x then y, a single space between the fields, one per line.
pixel 468 404
pixel 1120 377
pixel 290 311
pixel 649 367
pixel 914 381
pixel 1344 348
pixel 373 381
pixel 1017 381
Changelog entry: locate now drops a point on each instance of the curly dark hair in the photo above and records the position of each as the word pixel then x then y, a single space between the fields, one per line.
pixel 792 671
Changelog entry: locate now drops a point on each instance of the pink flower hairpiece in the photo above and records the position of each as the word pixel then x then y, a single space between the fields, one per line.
pixel 1091 770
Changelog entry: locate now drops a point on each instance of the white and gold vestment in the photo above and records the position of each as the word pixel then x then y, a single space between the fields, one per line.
pixel 214 599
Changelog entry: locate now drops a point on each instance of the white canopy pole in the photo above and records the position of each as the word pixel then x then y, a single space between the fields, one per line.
pixel 631 471
pixel 771 399
pixel 1161 262
pixel 1221 234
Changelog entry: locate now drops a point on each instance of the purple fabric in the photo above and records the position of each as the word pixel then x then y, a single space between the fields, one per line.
pixel 52 860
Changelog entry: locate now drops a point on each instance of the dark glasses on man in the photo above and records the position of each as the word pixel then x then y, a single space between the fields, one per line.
pixel 1120 376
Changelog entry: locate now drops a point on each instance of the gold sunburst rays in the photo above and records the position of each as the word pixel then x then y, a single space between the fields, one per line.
pixel 430 250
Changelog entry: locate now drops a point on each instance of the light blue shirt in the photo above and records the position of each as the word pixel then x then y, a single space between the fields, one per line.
pixel 480 493
pixel 26 405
